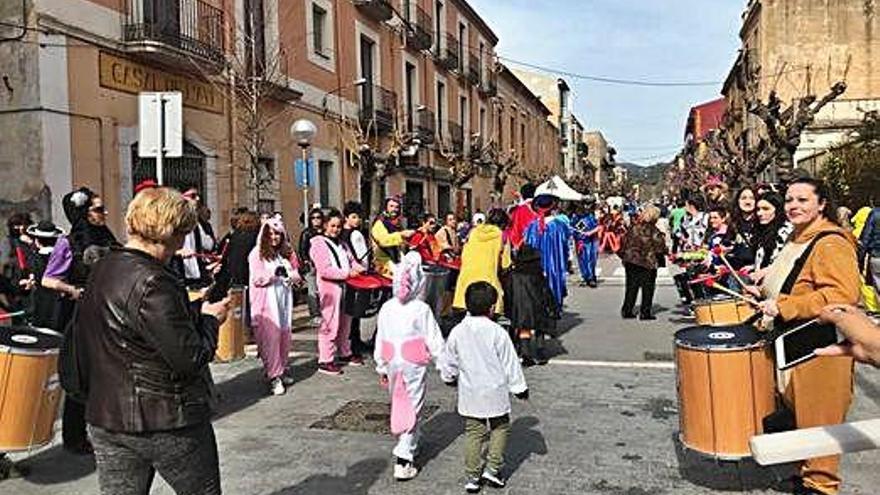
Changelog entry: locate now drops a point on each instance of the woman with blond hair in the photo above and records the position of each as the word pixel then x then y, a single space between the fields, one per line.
pixel 273 273
pixel 641 249
pixel 140 358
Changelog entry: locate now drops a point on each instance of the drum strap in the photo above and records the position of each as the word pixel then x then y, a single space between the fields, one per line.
pixel 798 267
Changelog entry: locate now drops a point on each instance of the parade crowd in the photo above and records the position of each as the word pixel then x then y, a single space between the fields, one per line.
pixel 476 296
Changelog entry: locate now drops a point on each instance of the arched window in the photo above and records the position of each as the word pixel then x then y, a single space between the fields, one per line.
pixel 179 173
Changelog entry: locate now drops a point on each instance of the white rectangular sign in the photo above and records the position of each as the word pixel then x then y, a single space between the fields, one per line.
pixel 160 124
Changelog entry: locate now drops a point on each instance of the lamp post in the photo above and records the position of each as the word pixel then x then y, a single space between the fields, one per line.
pixel 303 131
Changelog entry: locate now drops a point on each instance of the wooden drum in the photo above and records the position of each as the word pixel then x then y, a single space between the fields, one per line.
pixel 230 339
pixel 726 387
pixel 722 311
pixel 29 387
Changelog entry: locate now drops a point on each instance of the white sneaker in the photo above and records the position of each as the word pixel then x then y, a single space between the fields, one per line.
pixel 404 472
pixel 493 479
pixel 277 387
pixel 472 485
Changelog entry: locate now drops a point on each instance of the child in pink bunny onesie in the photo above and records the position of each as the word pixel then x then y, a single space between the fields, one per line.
pixel 407 340
pixel 273 273
pixel 333 264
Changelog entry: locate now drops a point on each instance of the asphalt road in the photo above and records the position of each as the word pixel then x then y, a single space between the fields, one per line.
pixel 602 419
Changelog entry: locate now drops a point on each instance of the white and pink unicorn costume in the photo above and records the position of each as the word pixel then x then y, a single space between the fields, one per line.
pixel 407 340
pixel 271 299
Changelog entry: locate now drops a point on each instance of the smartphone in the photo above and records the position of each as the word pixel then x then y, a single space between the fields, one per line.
pixel 799 344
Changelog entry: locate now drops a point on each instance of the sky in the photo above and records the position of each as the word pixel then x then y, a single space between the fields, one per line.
pixel 652 40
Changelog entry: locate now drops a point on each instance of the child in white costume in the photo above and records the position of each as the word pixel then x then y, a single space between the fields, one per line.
pixel 407 340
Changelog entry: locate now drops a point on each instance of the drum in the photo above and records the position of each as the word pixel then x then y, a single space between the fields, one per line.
pixel 230 338
pixel 725 382
pixel 722 310
pixel 29 387
pixel 435 287
pixel 365 294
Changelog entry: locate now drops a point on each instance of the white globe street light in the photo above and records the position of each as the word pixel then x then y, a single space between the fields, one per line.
pixel 303 131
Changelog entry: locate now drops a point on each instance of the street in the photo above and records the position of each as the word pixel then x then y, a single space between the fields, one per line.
pixel 602 419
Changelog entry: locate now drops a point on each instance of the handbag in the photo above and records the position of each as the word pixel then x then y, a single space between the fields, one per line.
pixel 71 371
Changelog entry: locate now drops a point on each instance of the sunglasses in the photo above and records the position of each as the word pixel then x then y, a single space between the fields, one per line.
pixel 98 209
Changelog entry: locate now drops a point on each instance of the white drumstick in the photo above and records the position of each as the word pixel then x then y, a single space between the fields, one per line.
pixel 711 283
pixel 796 445
pixel 11 315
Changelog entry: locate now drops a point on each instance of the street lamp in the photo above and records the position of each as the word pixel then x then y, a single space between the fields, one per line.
pixel 303 131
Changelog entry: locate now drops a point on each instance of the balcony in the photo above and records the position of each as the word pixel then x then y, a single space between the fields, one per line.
pixel 419 30
pixel 447 54
pixel 377 10
pixel 476 151
pixel 169 31
pixel 489 87
pixel 425 126
pixel 456 136
pixel 473 70
pixel 377 109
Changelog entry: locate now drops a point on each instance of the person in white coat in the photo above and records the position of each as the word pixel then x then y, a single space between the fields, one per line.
pixel 408 338
pixel 481 355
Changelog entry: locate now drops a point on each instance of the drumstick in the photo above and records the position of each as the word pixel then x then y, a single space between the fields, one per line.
pixel 6 316
pixel 720 252
pixel 711 283
pixel 777 448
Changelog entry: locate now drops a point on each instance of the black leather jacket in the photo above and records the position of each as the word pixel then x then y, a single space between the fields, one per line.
pixel 145 353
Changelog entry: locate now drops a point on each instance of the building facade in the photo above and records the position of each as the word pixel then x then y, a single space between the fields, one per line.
pixel 557 95
pixel 405 95
pixel 600 159
pixel 796 48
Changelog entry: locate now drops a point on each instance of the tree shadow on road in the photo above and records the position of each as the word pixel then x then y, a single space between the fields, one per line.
pixel 55 466
pixel 742 475
pixel 438 433
pixel 247 388
pixel 357 480
pixel 524 441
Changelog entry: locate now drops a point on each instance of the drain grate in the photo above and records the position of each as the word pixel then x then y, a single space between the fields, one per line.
pixel 366 416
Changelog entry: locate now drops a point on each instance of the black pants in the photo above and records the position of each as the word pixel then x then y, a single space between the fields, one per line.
pixel 73 424
pixel 185 458
pixel 358 346
pixel 638 277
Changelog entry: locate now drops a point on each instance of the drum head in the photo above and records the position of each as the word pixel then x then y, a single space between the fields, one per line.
pixel 716 299
pixel 721 337
pixel 24 339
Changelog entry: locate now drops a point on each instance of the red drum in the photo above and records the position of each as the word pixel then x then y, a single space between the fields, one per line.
pixel 453 264
pixel 365 294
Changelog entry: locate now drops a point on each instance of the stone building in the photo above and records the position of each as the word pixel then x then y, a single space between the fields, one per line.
pixel 600 159
pixel 402 91
pixel 556 94
pixel 797 47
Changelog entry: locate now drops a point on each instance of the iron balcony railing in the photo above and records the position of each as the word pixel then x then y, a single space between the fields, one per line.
pixel 378 10
pixel 456 136
pixel 474 69
pixel 377 108
pixel 419 28
pixel 192 26
pixel 489 87
pixel 447 54
pixel 425 126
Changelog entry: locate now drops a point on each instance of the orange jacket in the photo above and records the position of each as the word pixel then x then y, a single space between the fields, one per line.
pixel 830 275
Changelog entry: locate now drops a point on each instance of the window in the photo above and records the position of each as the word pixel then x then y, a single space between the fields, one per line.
pixel 266 206
pixel 482 49
pixel 410 83
pixel 179 173
pixel 462 43
pixel 438 26
pixel 482 129
pixel 325 171
pixel 368 46
pixel 255 51
pixel 522 137
pixel 407 10
pixel 319 21
pixel 512 131
pixel 464 117
pixel 318 29
pixel 443 203
pixel 441 107
pixel 499 132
